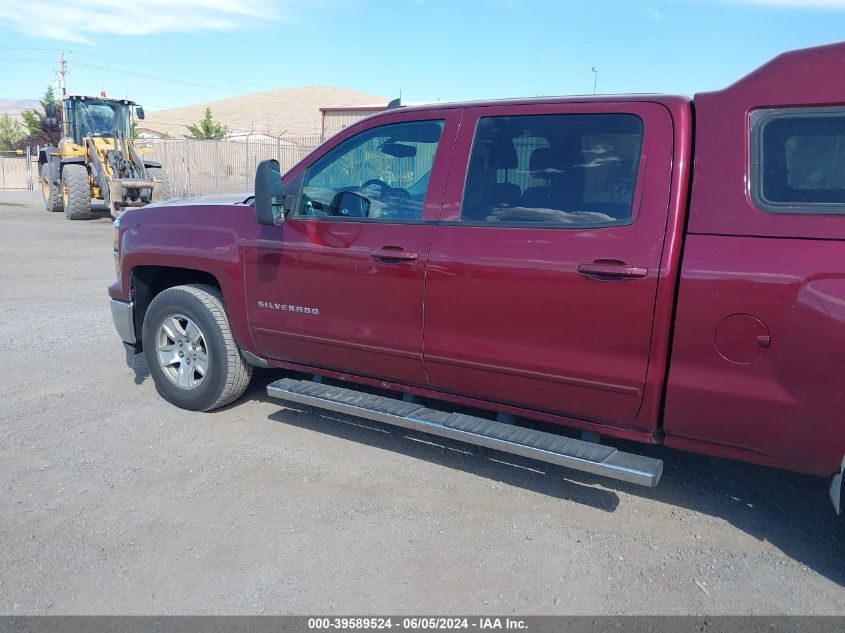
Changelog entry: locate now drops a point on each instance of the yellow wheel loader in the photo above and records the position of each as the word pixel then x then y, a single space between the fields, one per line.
pixel 97 160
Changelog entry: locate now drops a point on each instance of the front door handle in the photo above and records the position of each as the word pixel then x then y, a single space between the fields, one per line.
pixel 394 254
pixel 610 269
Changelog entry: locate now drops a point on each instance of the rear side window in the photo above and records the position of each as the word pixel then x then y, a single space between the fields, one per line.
pixel 798 160
pixel 562 169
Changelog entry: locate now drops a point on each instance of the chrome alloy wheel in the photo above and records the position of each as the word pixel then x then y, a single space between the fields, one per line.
pixel 182 352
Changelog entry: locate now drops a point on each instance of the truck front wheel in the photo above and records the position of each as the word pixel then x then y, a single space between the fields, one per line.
pixel 192 355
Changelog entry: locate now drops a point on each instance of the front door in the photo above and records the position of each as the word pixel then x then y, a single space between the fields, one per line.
pixel 543 270
pixel 340 284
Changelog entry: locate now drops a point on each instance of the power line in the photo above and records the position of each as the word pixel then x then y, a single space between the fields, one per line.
pixel 25 59
pixel 28 48
pixel 180 72
pixel 136 65
pixel 121 71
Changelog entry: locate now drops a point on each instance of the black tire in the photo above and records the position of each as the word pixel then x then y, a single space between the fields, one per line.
pixel 51 193
pixel 158 173
pixel 227 376
pixel 76 192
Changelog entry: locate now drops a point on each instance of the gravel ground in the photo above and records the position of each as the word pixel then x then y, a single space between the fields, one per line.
pixel 113 501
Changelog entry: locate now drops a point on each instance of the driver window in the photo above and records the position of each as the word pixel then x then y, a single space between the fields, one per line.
pixel 381 173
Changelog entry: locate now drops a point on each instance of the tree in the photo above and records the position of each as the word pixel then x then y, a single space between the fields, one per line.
pixel 41 129
pixel 11 133
pixel 208 128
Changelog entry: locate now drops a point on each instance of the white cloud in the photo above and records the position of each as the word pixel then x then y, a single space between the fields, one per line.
pixel 652 12
pixel 83 20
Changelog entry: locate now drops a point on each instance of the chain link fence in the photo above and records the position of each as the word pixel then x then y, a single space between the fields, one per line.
pixel 194 167
pixel 17 170
pixel 198 168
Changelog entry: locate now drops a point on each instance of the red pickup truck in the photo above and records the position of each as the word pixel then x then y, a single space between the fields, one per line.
pixel 646 267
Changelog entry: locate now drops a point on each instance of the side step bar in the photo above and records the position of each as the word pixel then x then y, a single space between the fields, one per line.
pixel 545 447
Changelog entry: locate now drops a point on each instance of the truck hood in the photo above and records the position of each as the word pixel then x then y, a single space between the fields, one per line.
pixel 216 200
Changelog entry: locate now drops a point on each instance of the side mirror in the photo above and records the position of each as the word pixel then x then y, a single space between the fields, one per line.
pixel 269 193
pixel 50 117
pixel 139 112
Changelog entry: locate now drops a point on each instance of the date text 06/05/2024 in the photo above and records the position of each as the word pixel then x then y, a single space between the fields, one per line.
pixel 416 623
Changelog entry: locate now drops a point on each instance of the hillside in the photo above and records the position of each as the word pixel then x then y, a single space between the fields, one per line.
pixel 14 107
pixel 291 111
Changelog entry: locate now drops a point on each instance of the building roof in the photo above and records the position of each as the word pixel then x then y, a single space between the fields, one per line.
pixel 368 107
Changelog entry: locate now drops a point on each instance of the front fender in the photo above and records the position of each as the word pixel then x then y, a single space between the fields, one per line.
pixel 45 157
pixel 214 250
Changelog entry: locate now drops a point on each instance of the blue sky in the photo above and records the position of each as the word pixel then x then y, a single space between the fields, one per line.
pixel 165 53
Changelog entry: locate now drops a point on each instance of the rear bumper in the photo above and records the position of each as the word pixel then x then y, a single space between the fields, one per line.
pixel 123 315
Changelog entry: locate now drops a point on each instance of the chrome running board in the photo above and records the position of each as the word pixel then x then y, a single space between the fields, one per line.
pixel 546 447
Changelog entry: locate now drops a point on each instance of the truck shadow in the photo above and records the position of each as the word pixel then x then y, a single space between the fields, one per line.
pixel 138 364
pixel 789 510
pixel 507 469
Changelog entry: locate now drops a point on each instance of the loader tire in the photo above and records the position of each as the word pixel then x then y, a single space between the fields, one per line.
pixel 76 192
pixel 158 173
pixel 51 193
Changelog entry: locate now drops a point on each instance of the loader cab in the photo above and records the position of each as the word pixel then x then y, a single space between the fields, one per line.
pixel 95 117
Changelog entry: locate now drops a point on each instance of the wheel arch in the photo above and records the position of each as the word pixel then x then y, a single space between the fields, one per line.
pixel 76 160
pixel 56 164
pixel 147 281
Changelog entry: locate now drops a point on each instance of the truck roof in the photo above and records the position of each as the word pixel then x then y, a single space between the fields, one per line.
pixel 586 98
pixel 95 98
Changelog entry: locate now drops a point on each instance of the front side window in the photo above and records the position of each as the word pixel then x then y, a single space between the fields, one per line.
pixel 379 174
pixel 564 169
pixel 798 160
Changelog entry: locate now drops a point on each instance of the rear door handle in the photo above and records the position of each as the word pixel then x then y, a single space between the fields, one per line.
pixel 610 269
pixel 394 254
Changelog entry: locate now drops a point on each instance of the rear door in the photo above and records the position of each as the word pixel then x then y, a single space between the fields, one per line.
pixel 543 271
pixel 340 284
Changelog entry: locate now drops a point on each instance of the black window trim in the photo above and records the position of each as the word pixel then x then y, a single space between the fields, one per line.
pixel 476 224
pixel 758 120
pixel 340 218
pixel 571 226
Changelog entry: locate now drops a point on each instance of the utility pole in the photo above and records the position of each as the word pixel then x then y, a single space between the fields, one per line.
pixel 62 71
pixel 595 78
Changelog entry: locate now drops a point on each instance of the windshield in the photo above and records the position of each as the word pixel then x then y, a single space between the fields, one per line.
pixel 104 118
